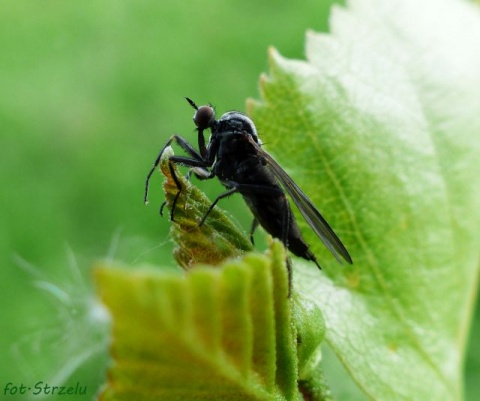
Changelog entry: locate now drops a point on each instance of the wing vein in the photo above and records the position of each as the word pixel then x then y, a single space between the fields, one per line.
pixel 309 212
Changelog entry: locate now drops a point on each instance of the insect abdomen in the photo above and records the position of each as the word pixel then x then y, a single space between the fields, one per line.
pixel 271 212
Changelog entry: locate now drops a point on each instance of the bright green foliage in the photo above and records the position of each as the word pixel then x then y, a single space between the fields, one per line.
pixel 210 334
pixel 381 127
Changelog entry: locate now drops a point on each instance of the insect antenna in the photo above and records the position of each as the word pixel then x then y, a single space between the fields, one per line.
pixel 192 103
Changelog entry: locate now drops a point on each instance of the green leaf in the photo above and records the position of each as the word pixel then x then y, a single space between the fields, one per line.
pixel 381 128
pixel 213 333
pixel 217 239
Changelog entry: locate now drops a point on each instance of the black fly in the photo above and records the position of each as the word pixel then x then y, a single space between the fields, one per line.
pixel 234 155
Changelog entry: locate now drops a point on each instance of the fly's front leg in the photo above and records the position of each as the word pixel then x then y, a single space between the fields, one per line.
pixel 195 161
pixel 184 161
pixel 185 146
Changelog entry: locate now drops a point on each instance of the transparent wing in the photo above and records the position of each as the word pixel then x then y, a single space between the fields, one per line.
pixel 312 216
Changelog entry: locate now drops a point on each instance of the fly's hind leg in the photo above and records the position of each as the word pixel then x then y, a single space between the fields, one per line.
pixel 273 191
pixel 286 215
pixel 252 229
pixel 242 188
pixel 221 196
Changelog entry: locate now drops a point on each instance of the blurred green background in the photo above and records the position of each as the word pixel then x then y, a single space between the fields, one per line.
pixel 89 94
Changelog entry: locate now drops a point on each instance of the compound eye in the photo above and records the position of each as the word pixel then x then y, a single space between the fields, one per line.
pixel 204 117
